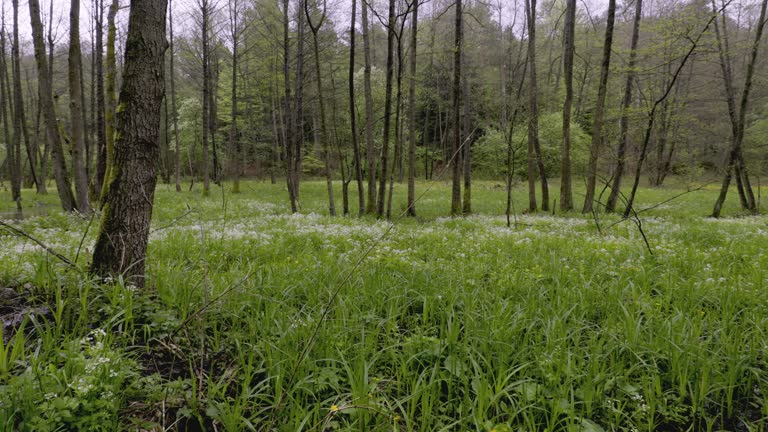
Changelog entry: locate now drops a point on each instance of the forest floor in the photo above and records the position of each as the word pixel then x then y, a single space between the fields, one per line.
pixel 256 319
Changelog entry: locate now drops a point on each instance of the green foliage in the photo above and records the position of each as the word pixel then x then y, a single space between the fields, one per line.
pixel 490 151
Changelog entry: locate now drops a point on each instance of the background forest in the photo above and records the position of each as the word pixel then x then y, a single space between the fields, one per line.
pixel 254 84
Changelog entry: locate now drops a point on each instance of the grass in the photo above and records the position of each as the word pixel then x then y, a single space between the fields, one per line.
pixel 448 324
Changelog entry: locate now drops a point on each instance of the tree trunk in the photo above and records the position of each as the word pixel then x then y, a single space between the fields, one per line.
pixel 174 112
pixel 626 104
pixel 20 122
pixel 205 21
pixel 370 145
pixel 535 160
pixel 456 208
pixel 321 102
pixel 46 104
pixel 597 124
pixel 288 130
pixel 299 106
pixel 735 155
pixel 353 112
pixel 566 193
pixel 76 110
pixel 387 108
pixel 234 142
pixel 121 245
pixel 101 127
pixel 467 153
pixel 13 155
pixel 412 114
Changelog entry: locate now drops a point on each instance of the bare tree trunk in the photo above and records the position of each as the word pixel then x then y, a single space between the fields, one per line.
pixel 13 149
pixel 174 112
pixel 234 141
pixel 288 130
pixel 213 119
pixel 621 153
pixel 370 145
pixel 299 106
pixel 597 124
pixel 121 244
pixel 204 32
pixel 353 112
pixel 391 22
pixel 46 104
pixel 466 126
pixel 110 94
pixel 735 156
pixel 566 192
pixel 535 160
pixel 20 122
pixel 76 110
pixel 321 102
pixel 101 131
pixel 412 114
pixel 456 208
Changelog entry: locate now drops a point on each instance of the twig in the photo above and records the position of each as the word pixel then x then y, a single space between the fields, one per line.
pixel 20 233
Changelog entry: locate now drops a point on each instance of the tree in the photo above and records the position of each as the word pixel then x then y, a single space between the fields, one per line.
pixel 76 109
pixel 174 112
pixel 205 20
pixel 49 113
pixel 412 114
pixel 234 141
pixel 735 158
pixel 315 28
pixel 626 104
pixel 20 122
pixel 13 149
pixel 291 172
pixel 456 184
pixel 121 244
pixel 566 194
pixel 598 118
pixel 369 143
pixel 109 95
pixel 535 161
pixel 101 127
pixel 391 22
pixel 353 111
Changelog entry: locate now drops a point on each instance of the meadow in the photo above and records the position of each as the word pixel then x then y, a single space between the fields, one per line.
pixel 257 319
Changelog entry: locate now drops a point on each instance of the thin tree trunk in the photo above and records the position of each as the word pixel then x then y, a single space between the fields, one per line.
pixel 205 21
pixel 387 108
pixel 456 208
pixel 174 112
pixel 101 127
pixel 535 160
pixel 288 130
pixel 321 102
pixel 412 114
pixel 13 149
pixel 370 145
pixel 597 124
pixel 299 106
pixel 234 142
pixel 467 153
pixel 735 156
pixel 566 193
pixel 121 244
pixel 46 103
pixel 626 104
pixel 353 112
pixel 76 110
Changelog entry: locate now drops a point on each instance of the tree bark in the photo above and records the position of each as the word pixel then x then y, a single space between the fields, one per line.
pixel 370 144
pixel 121 244
pixel 76 110
pixel 412 114
pixel 109 94
pixel 391 21
pixel 20 122
pixel 204 33
pixel 13 154
pixel 60 173
pixel 288 129
pixel 535 160
pixel 626 104
pixel 101 127
pixel 353 112
pixel 566 192
pixel 174 112
pixel 456 208
pixel 735 157
pixel 597 125
pixel 321 102
pixel 234 142
pixel 298 135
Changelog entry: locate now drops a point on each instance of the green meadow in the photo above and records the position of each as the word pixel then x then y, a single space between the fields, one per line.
pixel 257 319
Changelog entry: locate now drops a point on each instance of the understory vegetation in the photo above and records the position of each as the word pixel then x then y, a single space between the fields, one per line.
pixel 257 319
